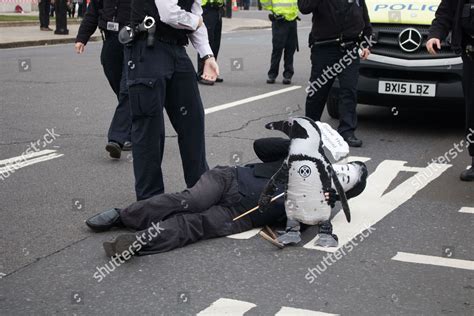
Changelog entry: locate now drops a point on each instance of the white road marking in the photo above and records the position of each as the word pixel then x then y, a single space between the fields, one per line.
pixel 246 235
pixel 469 210
pixel 248 100
pixel 13 164
pixel 290 311
pixel 227 306
pixel 435 261
pixel 373 205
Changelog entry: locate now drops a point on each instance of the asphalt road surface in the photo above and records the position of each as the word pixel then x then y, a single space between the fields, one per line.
pixel 412 232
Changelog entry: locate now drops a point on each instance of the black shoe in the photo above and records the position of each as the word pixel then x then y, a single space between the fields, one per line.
pixel 270 80
pixel 219 80
pixel 353 141
pixel 127 146
pixel 205 81
pixel 121 244
pixel 286 81
pixel 114 149
pixel 104 221
pixel 468 175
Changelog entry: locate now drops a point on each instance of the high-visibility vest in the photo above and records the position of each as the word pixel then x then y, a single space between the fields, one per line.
pixel 286 8
pixel 212 2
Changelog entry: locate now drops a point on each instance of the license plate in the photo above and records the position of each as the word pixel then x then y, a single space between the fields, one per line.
pixel 407 88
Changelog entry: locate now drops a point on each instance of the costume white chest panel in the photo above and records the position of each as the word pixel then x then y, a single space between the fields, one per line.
pixel 305 201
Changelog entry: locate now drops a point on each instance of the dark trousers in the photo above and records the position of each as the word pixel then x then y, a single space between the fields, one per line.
pixel 322 79
pixel 468 86
pixel 212 17
pixel 201 212
pixel 44 7
pixel 284 40
pixel 111 59
pixel 164 77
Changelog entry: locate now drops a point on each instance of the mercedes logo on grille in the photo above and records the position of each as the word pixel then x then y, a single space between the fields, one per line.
pixel 410 40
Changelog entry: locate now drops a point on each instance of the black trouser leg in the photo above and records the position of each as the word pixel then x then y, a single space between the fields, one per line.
pixel 213 20
pixel 468 85
pixel 200 212
pixel 279 35
pixel 290 49
pixel 111 59
pixel 186 114
pixel 152 74
pixel 43 8
pixel 348 79
pixel 121 125
pixel 321 80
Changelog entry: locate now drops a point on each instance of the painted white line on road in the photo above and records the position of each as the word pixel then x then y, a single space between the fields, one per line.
pixel 248 100
pixel 435 261
pixel 245 235
pixel 290 311
pixel 469 210
pixel 28 156
pixel 20 163
pixel 226 306
pixel 373 204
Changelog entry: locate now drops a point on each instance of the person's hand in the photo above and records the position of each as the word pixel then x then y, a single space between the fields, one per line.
pixel 79 47
pixel 263 202
pixel 365 53
pixel 331 196
pixel 211 69
pixel 432 45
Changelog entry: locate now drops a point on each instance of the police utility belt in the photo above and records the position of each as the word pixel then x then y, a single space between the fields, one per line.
pixel 343 43
pixel 147 28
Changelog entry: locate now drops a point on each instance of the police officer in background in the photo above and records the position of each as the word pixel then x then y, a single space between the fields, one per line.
pixel 161 75
pixel 457 17
pixel 284 14
pixel 110 16
pixel 339 26
pixel 212 17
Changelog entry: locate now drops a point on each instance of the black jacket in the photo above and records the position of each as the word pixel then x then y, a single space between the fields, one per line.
pixel 333 18
pixel 448 19
pixel 99 12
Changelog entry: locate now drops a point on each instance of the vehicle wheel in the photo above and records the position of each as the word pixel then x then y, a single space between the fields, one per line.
pixel 333 106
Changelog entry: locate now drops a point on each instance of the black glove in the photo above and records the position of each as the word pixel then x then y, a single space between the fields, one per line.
pixel 333 197
pixel 263 202
pixel 271 17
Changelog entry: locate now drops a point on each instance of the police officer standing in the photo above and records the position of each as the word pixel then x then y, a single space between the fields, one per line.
pixel 457 17
pixel 161 75
pixel 212 18
pixel 284 14
pixel 339 26
pixel 110 16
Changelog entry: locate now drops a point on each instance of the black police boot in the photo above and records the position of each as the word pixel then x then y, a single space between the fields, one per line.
pixel 352 141
pixel 127 146
pixel 286 81
pixel 104 221
pixel 271 80
pixel 219 80
pixel 121 244
pixel 468 175
pixel 205 81
pixel 114 149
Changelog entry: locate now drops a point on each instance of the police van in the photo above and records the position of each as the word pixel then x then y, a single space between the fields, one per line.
pixel 400 72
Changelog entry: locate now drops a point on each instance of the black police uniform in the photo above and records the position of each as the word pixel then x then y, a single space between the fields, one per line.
pixel 110 16
pixel 348 21
pixel 457 17
pixel 284 39
pixel 163 76
pixel 212 17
